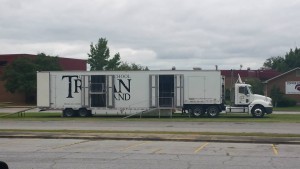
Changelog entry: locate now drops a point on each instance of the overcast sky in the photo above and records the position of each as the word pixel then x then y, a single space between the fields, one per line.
pixel 155 33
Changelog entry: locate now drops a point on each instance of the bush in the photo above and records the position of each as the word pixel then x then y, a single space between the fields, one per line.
pixel 286 102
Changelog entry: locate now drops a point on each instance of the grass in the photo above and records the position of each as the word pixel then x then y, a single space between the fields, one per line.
pixel 43 116
pixel 294 108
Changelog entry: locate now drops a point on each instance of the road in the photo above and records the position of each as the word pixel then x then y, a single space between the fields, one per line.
pixel 282 128
pixel 78 154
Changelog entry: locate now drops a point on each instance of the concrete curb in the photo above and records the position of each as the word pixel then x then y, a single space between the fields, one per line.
pixel 153 137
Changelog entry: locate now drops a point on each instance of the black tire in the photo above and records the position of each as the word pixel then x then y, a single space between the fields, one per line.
pixel 69 112
pixel 213 111
pixel 83 112
pixel 198 111
pixel 258 111
pixel 3 165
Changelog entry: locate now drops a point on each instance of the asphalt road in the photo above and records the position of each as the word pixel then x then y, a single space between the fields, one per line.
pixel 78 154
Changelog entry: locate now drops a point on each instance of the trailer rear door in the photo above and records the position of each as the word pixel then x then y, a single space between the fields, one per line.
pixel 43 89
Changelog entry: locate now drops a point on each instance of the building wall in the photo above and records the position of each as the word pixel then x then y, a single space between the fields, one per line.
pixel 19 98
pixel 281 83
pixel 231 76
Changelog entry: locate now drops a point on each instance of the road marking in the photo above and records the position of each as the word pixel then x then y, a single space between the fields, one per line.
pixel 275 149
pixel 67 145
pixel 134 145
pixel 200 148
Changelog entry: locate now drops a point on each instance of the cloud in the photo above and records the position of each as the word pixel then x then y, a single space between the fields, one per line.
pixel 158 34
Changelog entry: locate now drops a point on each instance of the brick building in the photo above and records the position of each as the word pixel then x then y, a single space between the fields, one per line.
pixel 18 98
pixel 288 83
pixel 231 76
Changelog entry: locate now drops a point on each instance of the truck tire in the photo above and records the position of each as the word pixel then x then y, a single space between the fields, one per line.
pixel 258 111
pixel 68 112
pixel 198 111
pixel 83 112
pixel 213 111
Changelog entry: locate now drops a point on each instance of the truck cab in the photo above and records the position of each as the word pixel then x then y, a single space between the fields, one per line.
pixel 246 101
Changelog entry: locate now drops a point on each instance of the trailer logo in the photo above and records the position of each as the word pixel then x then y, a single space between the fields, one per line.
pixel 122 89
pixel 76 87
pixel 297 87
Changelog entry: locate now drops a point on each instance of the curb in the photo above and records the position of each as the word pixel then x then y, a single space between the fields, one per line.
pixel 153 137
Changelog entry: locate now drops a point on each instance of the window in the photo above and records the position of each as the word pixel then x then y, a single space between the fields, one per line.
pixel 243 90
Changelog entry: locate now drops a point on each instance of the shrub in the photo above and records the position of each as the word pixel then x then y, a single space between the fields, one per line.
pixel 286 102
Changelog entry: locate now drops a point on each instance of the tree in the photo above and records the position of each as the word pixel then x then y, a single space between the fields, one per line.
pixel 20 75
pixel 290 61
pixel 99 57
pixel 127 67
pixel 257 86
pixel 113 63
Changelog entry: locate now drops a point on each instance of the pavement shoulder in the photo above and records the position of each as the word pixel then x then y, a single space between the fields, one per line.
pixel 153 137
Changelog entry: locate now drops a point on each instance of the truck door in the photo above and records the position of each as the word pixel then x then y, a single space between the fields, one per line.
pixel 242 97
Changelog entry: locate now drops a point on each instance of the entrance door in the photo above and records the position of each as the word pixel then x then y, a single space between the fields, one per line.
pixel 166 90
pixel 98 90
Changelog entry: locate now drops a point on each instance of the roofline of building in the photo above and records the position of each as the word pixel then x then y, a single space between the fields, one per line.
pixel 36 55
pixel 281 74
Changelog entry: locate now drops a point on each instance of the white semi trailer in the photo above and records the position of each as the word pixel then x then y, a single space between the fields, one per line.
pixel 198 92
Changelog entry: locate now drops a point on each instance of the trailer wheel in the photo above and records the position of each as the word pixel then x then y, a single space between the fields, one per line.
pixel 213 111
pixel 83 112
pixel 69 112
pixel 198 111
pixel 258 111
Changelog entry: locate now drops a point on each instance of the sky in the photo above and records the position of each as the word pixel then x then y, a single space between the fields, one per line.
pixel 159 34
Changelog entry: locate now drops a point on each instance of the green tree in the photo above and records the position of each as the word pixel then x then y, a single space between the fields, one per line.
pixel 257 86
pixel 47 63
pixel 113 63
pixel 128 67
pixel 20 75
pixel 99 55
pixel 290 61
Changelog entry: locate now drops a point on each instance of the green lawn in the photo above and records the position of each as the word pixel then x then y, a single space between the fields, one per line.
pixel 43 116
pixel 294 108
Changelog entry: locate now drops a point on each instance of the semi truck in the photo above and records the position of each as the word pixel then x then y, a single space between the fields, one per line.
pixel 196 92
